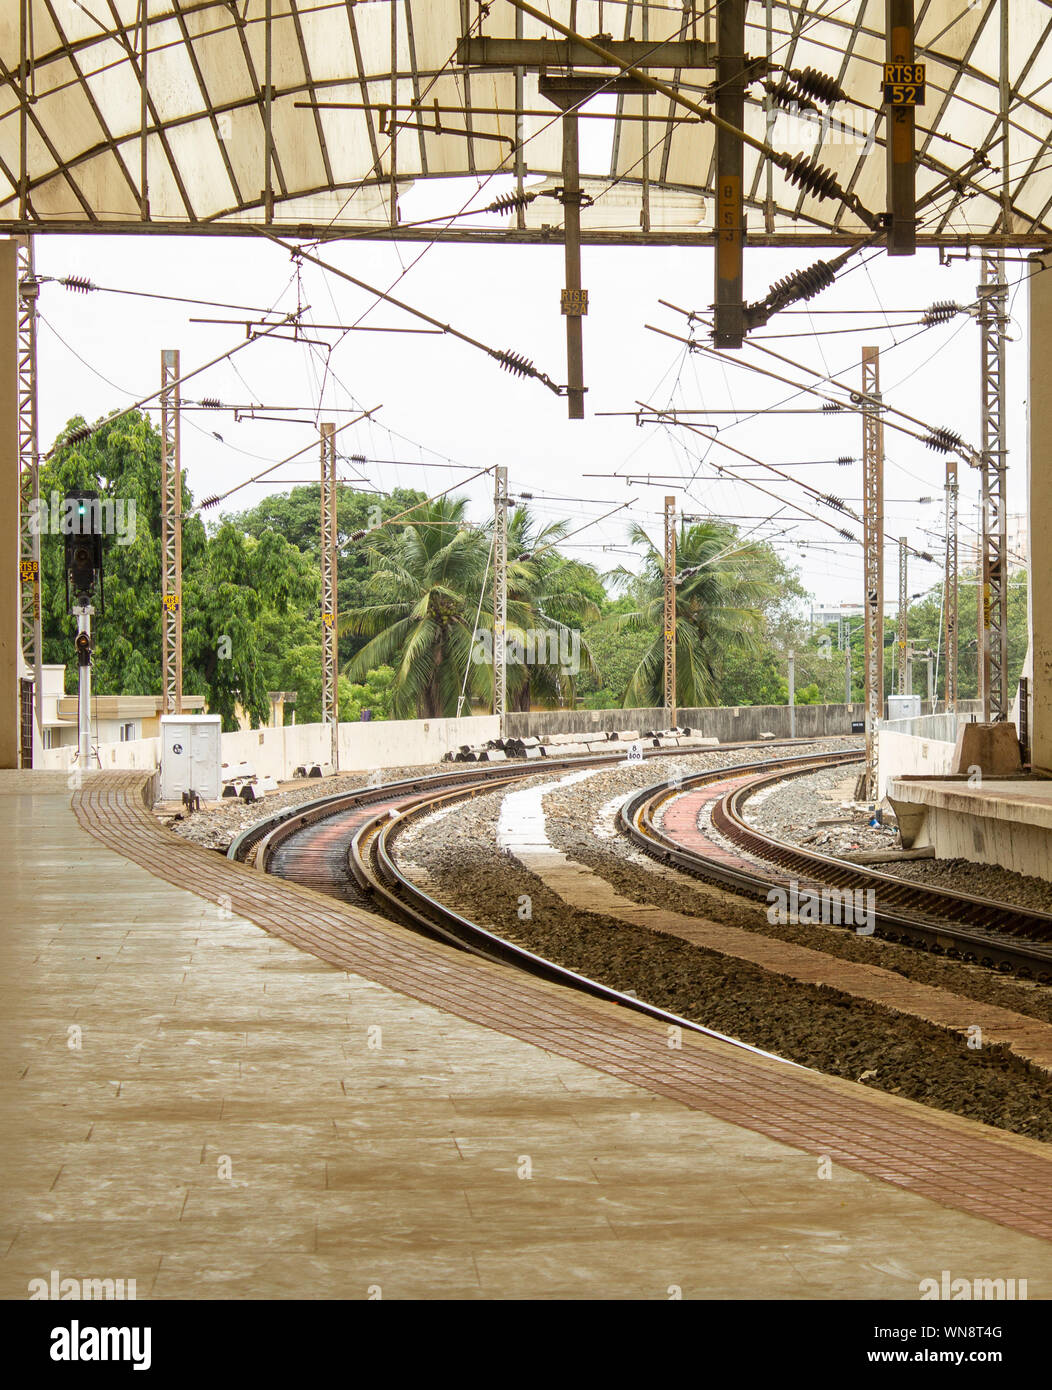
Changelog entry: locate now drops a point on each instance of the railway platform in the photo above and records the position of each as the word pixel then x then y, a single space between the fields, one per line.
pixel 1006 821
pixel 224 1085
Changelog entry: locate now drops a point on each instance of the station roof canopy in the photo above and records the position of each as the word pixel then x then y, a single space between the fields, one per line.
pixel 318 116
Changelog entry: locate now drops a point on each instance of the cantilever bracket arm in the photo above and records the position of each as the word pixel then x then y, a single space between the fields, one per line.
pixel 823 184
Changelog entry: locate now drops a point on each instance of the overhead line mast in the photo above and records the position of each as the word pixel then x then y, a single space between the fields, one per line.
pixel 29 491
pixel 500 598
pixel 873 557
pixel 329 674
pixel 950 586
pixel 669 625
pixel 171 536
pixel 993 611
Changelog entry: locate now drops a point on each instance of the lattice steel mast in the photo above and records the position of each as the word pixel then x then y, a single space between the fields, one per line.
pixel 670 612
pixel 873 561
pixel 29 480
pixel 329 690
pixel 993 633
pixel 950 585
pixel 500 597
pixel 904 608
pixel 171 537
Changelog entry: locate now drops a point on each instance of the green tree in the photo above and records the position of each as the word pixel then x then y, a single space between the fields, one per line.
pixel 297 517
pixel 547 593
pixel 723 587
pixel 375 695
pixel 424 590
pixel 230 582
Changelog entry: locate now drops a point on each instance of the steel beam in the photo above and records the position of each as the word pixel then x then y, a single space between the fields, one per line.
pixel 567 93
pixel 873 555
pixel 669 626
pixel 993 617
pixel 541 53
pixel 330 711
pixel 729 329
pixel 171 537
pixel 901 137
pixel 500 597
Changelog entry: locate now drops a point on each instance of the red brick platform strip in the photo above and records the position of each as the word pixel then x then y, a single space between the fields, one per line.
pixel 954 1162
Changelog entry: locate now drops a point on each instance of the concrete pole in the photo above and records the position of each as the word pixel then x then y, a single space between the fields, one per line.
pixel 10 614
pixel 792 695
pixel 1039 483
pixel 847 673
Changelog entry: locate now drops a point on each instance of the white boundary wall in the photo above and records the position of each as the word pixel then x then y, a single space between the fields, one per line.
pixel 916 747
pixel 277 753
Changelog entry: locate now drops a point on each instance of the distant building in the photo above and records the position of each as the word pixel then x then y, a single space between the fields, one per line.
pixel 1018 527
pixel 822 617
pixel 1017 533
pixel 114 718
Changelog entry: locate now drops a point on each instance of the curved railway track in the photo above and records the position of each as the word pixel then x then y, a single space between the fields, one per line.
pixel 335 839
pixel 345 844
pixel 961 926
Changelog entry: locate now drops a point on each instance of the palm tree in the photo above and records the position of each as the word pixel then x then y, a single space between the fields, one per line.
pixel 426 582
pixel 547 593
pixel 718 603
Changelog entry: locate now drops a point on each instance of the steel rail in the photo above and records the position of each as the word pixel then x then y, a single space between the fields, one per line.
pixel 372 864
pixel 944 922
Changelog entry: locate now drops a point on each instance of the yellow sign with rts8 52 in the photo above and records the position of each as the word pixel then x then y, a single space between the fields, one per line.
pixel 905 84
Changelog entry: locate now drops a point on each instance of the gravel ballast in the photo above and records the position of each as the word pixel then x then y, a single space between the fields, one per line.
pixel 818 1027
pixel 791 812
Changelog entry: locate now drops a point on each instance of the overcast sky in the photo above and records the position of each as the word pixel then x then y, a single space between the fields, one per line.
pixel 444 401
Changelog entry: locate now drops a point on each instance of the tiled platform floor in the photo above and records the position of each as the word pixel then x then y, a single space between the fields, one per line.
pixel 232 1122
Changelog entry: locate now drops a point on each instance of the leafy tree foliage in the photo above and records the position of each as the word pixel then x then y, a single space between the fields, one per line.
pixel 297 517
pixel 424 586
pixel 231 582
pixel 719 604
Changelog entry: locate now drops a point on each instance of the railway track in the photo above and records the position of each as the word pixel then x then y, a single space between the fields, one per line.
pixel 350 836
pixel 959 926
pixel 344 845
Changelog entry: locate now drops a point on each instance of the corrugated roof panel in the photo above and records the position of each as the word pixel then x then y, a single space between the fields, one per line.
pixel 206 71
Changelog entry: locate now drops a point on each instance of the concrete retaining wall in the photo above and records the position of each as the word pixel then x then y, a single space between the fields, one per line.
pixel 918 747
pixel 277 752
pixel 905 755
pixel 734 724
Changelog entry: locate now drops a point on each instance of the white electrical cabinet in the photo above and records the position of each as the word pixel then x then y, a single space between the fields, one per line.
pixel 904 707
pixel 191 756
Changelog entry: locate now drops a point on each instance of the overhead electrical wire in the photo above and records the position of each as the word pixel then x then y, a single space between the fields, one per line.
pixel 86 431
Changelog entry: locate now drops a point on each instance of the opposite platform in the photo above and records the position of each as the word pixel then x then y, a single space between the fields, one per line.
pixel 243 1118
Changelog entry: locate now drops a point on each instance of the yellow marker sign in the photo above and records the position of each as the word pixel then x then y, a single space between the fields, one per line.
pixel 574 302
pixel 170 602
pixel 905 84
pixel 29 570
pixel 728 226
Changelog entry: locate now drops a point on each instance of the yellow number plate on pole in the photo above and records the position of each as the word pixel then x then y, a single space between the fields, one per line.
pixel 905 84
